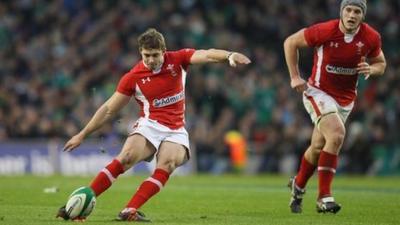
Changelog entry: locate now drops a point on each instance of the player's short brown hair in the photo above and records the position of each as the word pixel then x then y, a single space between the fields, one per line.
pixel 151 39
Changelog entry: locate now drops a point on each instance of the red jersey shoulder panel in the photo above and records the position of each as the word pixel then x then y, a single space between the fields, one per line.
pixel 317 34
pixel 374 40
pixel 182 56
pixel 127 82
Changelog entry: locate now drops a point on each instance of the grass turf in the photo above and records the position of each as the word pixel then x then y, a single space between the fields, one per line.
pixel 205 199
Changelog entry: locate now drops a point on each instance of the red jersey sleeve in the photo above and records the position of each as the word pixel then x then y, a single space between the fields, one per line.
pixel 126 84
pixel 317 34
pixel 376 47
pixel 184 56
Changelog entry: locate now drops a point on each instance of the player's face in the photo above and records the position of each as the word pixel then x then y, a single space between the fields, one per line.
pixel 153 58
pixel 351 18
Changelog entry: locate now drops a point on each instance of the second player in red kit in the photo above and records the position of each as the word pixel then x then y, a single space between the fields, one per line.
pixel 344 49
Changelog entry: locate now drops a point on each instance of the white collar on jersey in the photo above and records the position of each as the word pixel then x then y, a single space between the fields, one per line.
pixel 158 69
pixel 348 38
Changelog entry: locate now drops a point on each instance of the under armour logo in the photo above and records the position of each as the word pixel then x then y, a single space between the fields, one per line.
pixel 334 44
pixel 144 80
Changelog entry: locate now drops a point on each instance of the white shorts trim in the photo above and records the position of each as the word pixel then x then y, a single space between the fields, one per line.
pixel 318 103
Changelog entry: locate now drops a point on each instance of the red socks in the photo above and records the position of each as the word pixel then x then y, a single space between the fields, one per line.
pixel 305 172
pixel 327 164
pixel 148 188
pixel 106 177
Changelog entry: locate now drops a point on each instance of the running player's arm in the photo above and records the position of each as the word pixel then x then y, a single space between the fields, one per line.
pixel 217 55
pixel 107 111
pixel 291 47
pixel 375 67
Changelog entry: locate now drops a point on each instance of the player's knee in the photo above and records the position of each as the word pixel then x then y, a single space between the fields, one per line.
pixel 316 149
pixel 337 138
pixel 127 159
pixel 167 165
pixel 316 146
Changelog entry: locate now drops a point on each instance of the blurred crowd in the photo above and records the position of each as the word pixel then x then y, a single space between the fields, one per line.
pixel 59 60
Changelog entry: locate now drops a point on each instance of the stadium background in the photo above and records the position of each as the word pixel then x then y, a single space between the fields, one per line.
pixel 60 60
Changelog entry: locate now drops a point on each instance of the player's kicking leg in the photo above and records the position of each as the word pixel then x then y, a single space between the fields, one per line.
pixel 308 164
pixel 169 157
pixel 135 149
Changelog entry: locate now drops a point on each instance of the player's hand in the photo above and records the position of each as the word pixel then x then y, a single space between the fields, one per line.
pixel 238 58
pixel 298 84
pixel 363 68
pixel 74 142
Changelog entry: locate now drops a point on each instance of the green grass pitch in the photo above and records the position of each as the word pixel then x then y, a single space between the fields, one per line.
pixel 205 199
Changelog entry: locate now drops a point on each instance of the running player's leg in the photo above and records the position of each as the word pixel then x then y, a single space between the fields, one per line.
pixel 310 159
pixel 306 170
pixel 328 135
pixel 169 157
pixel 332 128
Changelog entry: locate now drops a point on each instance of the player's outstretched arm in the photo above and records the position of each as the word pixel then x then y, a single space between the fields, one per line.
pixel 107 111
pixel 291 46
pixel 218 55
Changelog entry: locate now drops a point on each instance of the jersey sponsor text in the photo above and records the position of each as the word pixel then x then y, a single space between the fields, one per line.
pixel 168 100
pixel 340 70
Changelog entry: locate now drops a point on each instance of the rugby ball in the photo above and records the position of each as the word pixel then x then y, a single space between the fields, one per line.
pixel 80 203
